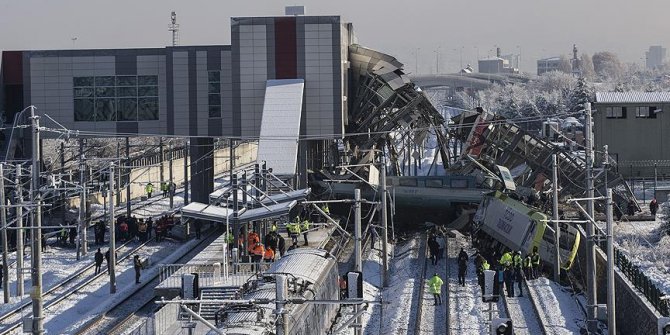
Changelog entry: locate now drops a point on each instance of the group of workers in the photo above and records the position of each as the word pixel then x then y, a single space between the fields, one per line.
pixel 168 188
pixel 512 267
pixel 273 244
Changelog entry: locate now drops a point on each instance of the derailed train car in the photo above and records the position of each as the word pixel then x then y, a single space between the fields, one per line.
pixel 515 226
pixel 312 274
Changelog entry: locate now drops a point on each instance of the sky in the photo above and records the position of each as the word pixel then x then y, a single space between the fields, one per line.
pixel 423 34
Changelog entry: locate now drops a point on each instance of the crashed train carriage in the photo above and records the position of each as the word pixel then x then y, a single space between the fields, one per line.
pixel 518 227
pixel 312 275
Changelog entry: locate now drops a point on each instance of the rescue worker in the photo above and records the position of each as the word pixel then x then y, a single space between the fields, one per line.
pixel 518 273
pixel 304 228
pixel 535 259
pixel 435 285
pixel 269 255
pixel 528 267
pixel 63 236
pixel 442 243
pixel 98 261
pixel 273 226
pixel 137 264
pixel 257 254
pixel 484 265
pixel 434 248
pixel 164 189
pixel 462 266
pixel 509 281
pixel 653 207
pixel 142 230
pixel 506 260
pixel 293 229
pixel 281 245
pixel 149 189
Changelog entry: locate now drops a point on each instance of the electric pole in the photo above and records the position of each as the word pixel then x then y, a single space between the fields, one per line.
pixel 357 249
pixel 128 171
pixel 162 155
pixel 557 231
pixel 171 190
pixel 19 232
pixel 82 196
pixel 385 236
pixel 592 298
pixel 111 263
pixel 36 294
pixel 186 173
pixel 5 247
pixel 611 304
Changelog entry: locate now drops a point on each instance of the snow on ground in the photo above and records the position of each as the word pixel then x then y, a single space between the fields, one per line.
pixel 96 299
pixel 400 295
pixel 520 310
pixel 557 307
pixel 647 244
pixel 434 318
pixel 467 312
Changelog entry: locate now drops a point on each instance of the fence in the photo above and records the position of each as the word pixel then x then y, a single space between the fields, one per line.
pixel 639 280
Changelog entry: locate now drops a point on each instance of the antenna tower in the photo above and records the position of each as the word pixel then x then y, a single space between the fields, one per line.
pixel 174 28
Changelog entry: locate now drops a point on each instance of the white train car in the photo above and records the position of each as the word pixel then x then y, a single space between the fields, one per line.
pixel 518 227
pixel 311 273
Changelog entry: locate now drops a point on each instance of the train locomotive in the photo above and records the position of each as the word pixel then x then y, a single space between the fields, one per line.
pixel 510 224
pixel 312 275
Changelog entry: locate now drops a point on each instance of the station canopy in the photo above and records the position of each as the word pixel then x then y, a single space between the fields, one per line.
pixel 197 210
pixel 218 196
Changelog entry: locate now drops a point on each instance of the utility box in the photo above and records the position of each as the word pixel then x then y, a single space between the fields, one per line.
pixel 502 326
pixel 601 312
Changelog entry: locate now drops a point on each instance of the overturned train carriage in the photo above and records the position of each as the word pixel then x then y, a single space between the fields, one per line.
pixel 506 223
pixel 311 273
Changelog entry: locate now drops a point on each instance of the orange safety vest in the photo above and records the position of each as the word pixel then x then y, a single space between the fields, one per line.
pixel 258 250
pixel 269 255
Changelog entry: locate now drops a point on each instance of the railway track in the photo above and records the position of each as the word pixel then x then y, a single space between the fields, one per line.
pixel 423 253
pixel 12 320
pixel 120 316
pixel 69 286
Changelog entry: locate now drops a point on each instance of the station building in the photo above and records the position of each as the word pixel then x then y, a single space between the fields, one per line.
pixel 204 91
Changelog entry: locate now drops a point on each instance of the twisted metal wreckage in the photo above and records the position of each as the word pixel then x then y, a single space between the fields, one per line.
pixel 391 113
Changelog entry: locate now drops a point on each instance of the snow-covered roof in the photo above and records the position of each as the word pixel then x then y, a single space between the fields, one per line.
pixel 633 97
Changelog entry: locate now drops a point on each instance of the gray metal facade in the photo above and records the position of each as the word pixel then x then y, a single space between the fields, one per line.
pixel 637 130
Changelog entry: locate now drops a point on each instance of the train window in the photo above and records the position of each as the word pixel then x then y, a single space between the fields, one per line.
pixel 459 183
pixel 434 183
pixel 408 182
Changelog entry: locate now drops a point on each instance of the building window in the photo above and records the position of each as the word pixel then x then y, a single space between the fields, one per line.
pixel 214 93
pixel 615 112
pixel 115 98
pixel 646 112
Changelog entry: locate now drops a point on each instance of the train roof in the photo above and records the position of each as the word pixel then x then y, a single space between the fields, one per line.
pixel 305 263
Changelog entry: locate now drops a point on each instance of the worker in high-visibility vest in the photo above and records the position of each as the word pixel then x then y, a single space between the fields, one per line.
pixel 293 229
pixel 149 189
pixel 535 259
pixel 273 226
pixel 269 255
pixel 506 260
pixel 257 253
pixel 304 228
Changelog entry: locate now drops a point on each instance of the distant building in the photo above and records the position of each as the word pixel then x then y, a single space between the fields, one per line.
pixel 513 60
pixel 548 64
pixel 635 127
pixel 498 64
pixel 655 56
